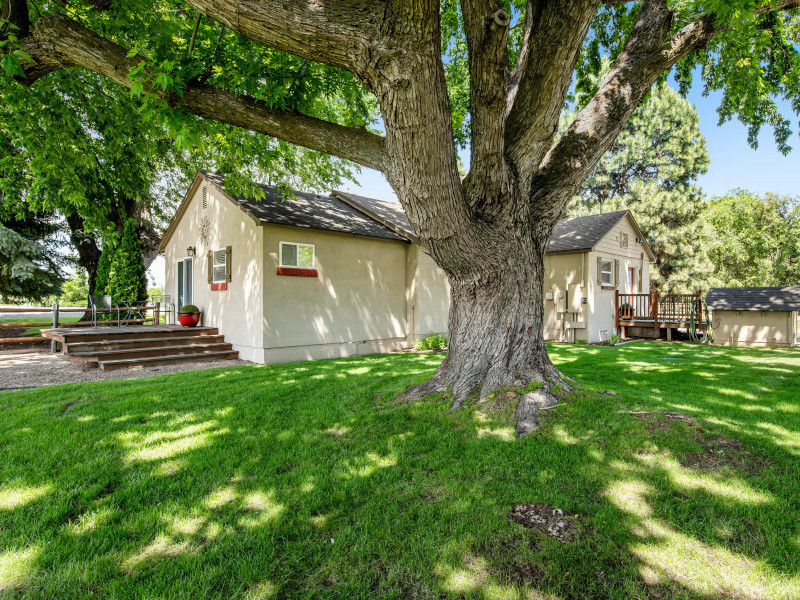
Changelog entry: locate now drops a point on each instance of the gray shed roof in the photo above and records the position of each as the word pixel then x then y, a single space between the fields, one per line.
pixel 311 211
pixel 583 233
pixel 776 299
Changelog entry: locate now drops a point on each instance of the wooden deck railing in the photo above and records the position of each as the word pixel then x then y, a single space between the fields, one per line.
pixel 658 310
pixel 57 311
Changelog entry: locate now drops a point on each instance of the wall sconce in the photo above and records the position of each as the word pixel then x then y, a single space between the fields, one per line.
pixel 190 251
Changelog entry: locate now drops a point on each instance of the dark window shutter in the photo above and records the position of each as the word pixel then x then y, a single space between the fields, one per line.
pixel 600 271
pixel 228 263
pixel 616 272
pixel 210 258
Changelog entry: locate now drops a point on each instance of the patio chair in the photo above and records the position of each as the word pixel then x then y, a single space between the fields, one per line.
pixel 134 310
pixel 166 308
pixel 104 303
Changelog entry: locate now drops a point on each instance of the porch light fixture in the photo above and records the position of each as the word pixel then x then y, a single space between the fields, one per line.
pixel 190 251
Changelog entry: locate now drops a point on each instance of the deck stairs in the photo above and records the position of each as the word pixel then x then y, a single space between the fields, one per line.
pixel 120 347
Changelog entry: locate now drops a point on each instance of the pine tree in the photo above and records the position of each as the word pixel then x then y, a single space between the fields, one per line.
pixel 104 265
pixel 651 171
pixel 127 279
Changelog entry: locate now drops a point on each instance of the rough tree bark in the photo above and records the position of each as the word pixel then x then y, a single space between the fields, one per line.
pixel 489 232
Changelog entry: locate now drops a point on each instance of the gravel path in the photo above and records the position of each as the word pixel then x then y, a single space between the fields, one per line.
pixel 29 368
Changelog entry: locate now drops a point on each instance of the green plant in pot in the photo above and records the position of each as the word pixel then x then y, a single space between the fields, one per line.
pixel 626 311
pixel 189 315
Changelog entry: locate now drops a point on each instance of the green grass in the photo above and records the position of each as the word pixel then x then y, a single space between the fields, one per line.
pixel 307 481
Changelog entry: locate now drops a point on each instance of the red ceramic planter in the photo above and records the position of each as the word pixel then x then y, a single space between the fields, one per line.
pixel 189 319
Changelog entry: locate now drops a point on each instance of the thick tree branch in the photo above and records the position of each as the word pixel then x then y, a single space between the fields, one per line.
pixel 335 33
pixel 58 42
pixel 486 30
pixel 648 53
pixel 542 77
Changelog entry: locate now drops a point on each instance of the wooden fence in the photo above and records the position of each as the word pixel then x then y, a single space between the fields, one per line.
pixel 57 311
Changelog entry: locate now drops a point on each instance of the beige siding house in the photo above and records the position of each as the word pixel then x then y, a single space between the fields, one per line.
pixel 589 259
pixel 341 275
pixel 755 316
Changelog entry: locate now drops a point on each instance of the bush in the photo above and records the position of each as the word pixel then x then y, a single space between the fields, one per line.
pixel 432 341
pixel 127 279
pixel 189 308
pixel 75 290
pixel 104 265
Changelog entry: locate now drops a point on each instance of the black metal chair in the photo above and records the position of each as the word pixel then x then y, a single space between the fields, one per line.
pixel 104 303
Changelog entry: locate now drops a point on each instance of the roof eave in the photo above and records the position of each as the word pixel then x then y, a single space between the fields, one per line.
pixel 376 217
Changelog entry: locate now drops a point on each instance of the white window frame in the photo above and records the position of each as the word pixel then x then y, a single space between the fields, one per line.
pixel 214 265
pixel 297 245
pixel 603 262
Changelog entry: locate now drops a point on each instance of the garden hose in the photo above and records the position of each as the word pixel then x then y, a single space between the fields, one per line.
pixel 693 333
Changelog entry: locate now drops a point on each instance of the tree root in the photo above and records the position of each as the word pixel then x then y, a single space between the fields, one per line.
pixel 530 402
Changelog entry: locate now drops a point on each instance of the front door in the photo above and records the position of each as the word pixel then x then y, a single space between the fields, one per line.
pixel 184 280
pixel 632 280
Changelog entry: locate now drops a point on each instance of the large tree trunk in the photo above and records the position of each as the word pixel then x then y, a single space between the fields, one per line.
pixel 496 336
pixel 86 245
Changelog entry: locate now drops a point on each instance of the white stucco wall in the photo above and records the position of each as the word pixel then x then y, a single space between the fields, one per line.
pixel 356 305
pixel 602 312
pixel 236 312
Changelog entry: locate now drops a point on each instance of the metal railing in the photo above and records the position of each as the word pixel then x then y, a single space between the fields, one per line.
pixel 136 315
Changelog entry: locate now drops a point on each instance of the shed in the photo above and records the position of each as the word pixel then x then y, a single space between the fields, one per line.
pixel 755 316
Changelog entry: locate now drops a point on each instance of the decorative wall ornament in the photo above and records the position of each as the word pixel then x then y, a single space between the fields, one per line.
pixel 205 231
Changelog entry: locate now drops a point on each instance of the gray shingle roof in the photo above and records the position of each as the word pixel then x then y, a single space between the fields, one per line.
pixel 755 298
pixel 583 233
pixel 388 212
pixel 309 210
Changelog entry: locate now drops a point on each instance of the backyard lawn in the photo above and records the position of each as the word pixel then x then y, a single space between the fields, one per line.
pixel 307 481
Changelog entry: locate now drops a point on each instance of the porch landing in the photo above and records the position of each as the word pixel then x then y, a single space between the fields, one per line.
pixel 117 347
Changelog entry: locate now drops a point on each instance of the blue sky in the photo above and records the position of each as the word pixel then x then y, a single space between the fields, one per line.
pixel 733 163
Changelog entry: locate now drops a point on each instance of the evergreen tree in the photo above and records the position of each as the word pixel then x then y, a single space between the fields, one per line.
pixel 755 240
pixel 26 270
pixel 104 266
pixel 651 170
pixel 127 279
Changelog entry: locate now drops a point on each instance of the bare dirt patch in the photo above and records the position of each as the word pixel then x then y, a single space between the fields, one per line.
pixel 719 453
pixel 27 369
pixel 662 420
pixel 548 520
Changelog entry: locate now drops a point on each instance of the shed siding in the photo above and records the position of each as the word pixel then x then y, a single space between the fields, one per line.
pixel 754 328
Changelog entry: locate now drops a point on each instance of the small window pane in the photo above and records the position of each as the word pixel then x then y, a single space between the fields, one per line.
pixel 288 255
pixel 607 272
pixel 306 256
pixel 219 266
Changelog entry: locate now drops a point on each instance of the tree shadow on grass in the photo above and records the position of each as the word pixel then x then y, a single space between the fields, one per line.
pixel 305 481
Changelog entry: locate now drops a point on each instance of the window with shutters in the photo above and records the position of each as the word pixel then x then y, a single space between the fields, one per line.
pixel 607 272
pixel 300 256
pixel 219 270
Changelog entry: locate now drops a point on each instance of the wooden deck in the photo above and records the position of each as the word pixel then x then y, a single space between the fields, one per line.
pixel 135 345
pixel 667 311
